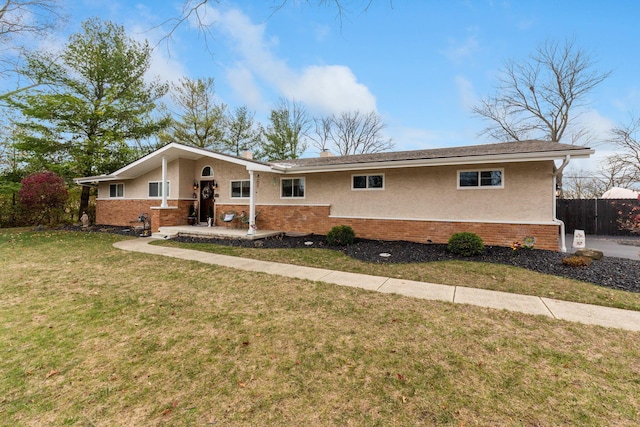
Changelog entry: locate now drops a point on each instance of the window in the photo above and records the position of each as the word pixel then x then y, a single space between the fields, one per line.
pixel 367 182
pixel 292 187
pixel 207 171
pixel 155 189
pixel 241 188
pixel 480 179
pixel 116 190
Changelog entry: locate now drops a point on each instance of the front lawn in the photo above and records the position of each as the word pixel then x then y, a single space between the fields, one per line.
pixel 91 335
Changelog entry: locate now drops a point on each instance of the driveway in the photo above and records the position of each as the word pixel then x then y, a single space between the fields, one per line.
pixel 612 246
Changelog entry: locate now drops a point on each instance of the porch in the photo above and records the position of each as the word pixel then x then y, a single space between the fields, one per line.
pixel 204 231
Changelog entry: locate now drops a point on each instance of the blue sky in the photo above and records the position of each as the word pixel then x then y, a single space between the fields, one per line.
pixel 420 64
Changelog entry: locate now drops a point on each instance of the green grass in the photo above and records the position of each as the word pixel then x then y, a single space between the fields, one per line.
pixel 91 335
pixel 456 273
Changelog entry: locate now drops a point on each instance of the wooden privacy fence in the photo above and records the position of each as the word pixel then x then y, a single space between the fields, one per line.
pixel 597 216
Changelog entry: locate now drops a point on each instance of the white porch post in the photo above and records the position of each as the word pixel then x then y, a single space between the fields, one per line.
pixel 252 205
pixel 164 183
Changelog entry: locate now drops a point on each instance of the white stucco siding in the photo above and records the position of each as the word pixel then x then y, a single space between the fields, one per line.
pixel 433 193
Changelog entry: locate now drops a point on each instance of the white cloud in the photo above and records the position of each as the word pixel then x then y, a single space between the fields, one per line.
pixel 466 93
pixel 322 88
pixel 329 89
pixel 243 83
pixel 459 50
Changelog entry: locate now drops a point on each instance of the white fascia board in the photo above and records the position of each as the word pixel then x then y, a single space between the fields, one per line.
pixel 448 161
pixel 95 179
pixel 257 167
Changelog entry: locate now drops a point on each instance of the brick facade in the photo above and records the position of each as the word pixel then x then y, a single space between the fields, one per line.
pixel 125 212
pixel 317 220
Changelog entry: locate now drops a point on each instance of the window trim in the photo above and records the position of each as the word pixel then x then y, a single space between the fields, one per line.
pixel 367 188
pixel 304 189
pixel 117 184
pixel 480 186
pixel 159 196
pixel 202 175
pixel 231 196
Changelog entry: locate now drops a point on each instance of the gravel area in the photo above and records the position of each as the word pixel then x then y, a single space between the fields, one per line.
pixel 615 273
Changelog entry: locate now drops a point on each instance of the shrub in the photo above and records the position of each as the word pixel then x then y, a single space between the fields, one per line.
pixel 577 261
pixel 341 235
pixel 465 244
pixel 42 195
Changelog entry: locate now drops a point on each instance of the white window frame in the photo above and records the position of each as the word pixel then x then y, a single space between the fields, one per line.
pixel 116 185
pixel 480 186
pixel 367 188
pixel 241 181
pixel 202 175
pixel 304 187
pixel 159 196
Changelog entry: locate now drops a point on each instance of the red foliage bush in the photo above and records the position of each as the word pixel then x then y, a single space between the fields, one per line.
pixel 42 193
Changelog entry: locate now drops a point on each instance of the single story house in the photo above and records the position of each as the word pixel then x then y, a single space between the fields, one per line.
pixel 503 192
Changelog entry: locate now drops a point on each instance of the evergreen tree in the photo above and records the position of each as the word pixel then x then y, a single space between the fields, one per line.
pixel 95 106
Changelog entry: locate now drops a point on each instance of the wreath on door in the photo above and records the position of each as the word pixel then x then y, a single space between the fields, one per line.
pixel 206 192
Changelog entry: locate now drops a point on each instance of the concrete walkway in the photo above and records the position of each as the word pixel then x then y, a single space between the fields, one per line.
pixel 575 312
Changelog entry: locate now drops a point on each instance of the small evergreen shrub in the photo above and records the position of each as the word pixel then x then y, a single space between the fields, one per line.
pixel 465 244
pixel 341 235
pixel 576 261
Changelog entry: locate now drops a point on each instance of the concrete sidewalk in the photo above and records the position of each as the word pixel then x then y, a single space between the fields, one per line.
pixel 575 312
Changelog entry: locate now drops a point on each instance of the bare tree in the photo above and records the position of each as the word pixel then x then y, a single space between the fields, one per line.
pixel 20 21
pixel 321 136
pixel 611 172
pixel 196 11
pixel 538 98
pixel 358 133
pixel 627 138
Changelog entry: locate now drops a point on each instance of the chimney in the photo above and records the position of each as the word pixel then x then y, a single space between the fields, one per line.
pixel 246 154
pixel 326 153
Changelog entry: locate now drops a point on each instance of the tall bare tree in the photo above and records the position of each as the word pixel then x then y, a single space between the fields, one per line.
pixel 358 133
pixel 627 138
pixel 539 98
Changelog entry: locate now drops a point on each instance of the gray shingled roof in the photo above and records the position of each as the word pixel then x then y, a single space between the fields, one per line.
pixel 503 148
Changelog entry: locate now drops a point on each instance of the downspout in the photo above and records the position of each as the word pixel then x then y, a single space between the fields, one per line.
pixel 164 183
pixel 558 171
pixel 252 205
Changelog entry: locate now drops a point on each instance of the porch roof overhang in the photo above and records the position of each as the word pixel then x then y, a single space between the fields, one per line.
pixel 170 152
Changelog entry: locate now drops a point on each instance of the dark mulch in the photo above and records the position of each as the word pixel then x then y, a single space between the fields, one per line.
pixel 616 273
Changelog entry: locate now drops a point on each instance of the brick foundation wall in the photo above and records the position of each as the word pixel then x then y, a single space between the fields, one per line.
pixel 125 212
pixel 315 219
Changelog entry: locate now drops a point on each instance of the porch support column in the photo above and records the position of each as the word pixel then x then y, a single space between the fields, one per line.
pixel 164 183
pixel 252 204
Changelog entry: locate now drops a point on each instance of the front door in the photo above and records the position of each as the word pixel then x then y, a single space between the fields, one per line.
pixel 207 200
